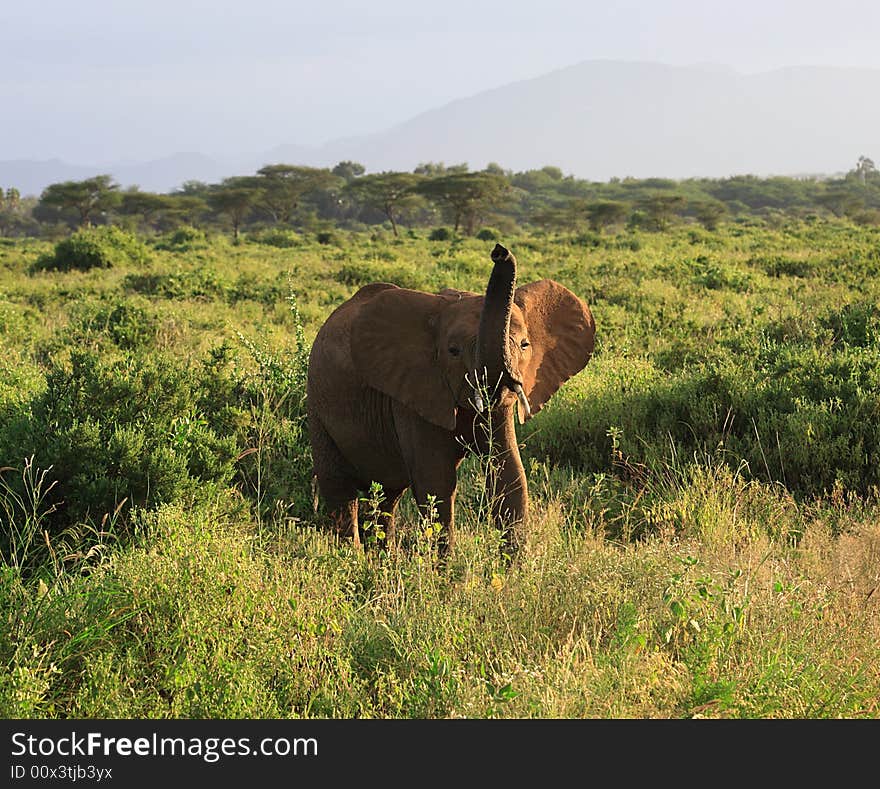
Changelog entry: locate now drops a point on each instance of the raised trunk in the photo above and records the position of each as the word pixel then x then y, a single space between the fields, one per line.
pixel 493 353
pixel 505 478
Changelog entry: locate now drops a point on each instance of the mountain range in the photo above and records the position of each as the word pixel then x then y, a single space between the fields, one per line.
pixel 594 120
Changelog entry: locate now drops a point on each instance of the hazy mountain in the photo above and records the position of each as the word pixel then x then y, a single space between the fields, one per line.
pixel 31 177
pixel 595 120
pixel 601 119
pixel 160 175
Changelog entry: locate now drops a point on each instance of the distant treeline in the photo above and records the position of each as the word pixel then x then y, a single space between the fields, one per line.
pixel 447 198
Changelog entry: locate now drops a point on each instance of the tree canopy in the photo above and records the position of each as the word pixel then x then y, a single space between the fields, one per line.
pixel 466 196
pixel 386 192
pixel 87 197
pixel 305 197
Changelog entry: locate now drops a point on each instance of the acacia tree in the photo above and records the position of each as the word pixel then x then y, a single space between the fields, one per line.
pixel 282 187
pixel 604 213
pixel 466 196
pixel 709 212
pixel 840 200
pixel 386 192
pixel 11 217
pixel 143 204
pixel 184 209
pixel 348 171
pixel 435 169
pixel 87 197
pixel 660 209
pixel 865 167
pixel 10 200
pixel 235 197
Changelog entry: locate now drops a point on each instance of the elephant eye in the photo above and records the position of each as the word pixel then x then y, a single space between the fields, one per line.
pixel 454 350
pixel 524 343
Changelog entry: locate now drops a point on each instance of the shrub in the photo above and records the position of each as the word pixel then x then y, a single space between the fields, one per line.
pixel 185 283
pixel 327 237
pixel 488 234
pixel 127 324
pixel 99 247
pixel 856 324
pixel 358 274
pixel 440 234
pixel 249 287
pixel 138 430
pixel 276 237
pixel 781 266
pixel 183 239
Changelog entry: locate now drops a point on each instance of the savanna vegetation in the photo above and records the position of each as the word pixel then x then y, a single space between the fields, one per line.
pixel 705 526
pixel 280 197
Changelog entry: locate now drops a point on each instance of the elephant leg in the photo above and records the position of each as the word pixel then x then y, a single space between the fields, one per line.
pixel 431 455
pixel 336 482
pixel 344 516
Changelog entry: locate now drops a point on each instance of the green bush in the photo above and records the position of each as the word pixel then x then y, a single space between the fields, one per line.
pixel 328 237
pixel 249 287
pixel 781 266
pixel 276 237
pixel 201 282
pixel 440 234
pixel 183 239
pixel 99 247
pixel 856 324
pixel 800 416
pixel 363 273
pixel 132 431
pixel 128 324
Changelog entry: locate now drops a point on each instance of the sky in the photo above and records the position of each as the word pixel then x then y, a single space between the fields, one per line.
pixel 99 81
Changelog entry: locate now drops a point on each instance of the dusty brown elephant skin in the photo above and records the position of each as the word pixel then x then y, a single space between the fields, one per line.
pixel 394 395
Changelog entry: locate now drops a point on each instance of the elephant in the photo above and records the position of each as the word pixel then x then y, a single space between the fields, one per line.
pixel 402 384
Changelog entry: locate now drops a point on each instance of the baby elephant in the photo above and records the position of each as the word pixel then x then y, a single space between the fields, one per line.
pixel 402 384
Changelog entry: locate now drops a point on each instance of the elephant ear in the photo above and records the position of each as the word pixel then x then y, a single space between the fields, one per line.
pixel 561 330
pixel 394 351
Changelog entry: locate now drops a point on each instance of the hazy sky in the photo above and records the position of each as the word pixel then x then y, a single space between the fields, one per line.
pixel 96 81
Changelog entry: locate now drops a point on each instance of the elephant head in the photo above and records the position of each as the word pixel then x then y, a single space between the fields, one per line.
pixel 438 354
pixel 459 360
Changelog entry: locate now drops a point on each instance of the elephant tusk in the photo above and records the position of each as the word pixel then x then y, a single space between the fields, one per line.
pixel 478 400
pixel 524 411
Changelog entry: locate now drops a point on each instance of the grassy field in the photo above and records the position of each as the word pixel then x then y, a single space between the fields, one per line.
pixel 705 528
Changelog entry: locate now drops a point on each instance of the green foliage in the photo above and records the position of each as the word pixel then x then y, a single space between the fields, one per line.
pixel 388 193
pixel 182 239
pixel 276 468
pixel 136 430
pixel 88 198
pixel 328 237
pixel 440 234
pixel 276 237
pixel 99 247
pixel 704 495
pixel 362 273
pixel 127 324
pixel 466 197
pixel 186 283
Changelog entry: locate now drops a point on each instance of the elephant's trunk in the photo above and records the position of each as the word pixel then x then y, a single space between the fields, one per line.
pixel 493 350
pixel 507 489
